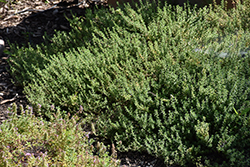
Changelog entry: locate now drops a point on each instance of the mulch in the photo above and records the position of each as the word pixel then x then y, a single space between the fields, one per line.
pixel 24 23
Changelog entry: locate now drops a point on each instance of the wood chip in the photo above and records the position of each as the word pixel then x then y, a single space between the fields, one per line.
pixel 64 27
pixel 9 100
pixel 1 46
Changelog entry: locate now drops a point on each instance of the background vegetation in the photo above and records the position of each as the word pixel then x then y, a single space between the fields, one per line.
pixel 138 80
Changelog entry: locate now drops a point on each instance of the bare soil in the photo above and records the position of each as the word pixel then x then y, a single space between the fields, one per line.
pixel 25 22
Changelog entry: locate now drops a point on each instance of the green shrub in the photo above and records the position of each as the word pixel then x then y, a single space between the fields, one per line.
pixel 139 74
pixel 27 140
pixel 238 17
pixel 25 61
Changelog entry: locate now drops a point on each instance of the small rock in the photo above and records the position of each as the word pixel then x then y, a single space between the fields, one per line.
pixel 1 47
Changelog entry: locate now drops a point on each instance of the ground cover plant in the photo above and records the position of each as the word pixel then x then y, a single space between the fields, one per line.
pixel 27 140
pixel 138 77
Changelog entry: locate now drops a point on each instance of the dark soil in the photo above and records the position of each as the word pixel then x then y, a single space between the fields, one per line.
pixel 28 28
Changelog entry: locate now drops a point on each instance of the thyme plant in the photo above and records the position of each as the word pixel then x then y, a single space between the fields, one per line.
pixel 136 72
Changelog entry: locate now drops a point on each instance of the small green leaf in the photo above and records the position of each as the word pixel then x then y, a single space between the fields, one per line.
pixel 245 111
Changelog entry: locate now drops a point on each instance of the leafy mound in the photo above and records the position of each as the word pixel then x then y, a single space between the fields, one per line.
pixel 27 140
pixel 137 71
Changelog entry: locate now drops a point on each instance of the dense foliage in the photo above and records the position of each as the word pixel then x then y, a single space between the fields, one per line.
pixel 138 74
pixel 27 140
